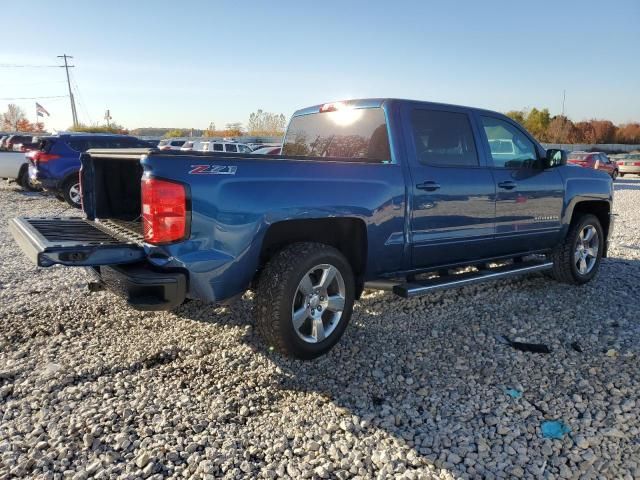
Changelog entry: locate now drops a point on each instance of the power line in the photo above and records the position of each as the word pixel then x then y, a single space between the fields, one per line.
pixel 29 84
pixel 11 65
pixel 33 98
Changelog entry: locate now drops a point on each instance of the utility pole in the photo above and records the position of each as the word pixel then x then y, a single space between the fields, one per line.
pixel 107 117
pixel 564 96
pixel 74 114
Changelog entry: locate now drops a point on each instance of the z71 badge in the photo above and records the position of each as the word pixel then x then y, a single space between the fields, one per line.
pixel 213 170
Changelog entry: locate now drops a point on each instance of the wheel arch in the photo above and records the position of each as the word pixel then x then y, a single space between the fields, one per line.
pixel 347 234
pixel 601 209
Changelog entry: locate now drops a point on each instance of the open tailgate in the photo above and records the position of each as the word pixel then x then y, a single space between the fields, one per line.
pixel 72 241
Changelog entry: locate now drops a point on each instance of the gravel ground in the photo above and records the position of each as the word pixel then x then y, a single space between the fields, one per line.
pixel 415 389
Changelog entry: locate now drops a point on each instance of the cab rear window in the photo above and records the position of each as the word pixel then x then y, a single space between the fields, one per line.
pixel 349 133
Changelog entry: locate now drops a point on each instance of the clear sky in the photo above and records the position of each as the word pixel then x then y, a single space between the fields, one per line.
pixel 185 64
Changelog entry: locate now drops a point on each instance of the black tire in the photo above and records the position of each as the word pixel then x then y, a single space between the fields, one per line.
pixel 621 175
pixel 614 175
pixel 565 268
pixel 68 191
pixel 277 292
pixel 24 181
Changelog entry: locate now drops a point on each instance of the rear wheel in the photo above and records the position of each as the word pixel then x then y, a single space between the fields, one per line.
pixel 621 174
pixel 614 175
pixel 577 259
pixel 25 182
pixel 71 192
pixel 304 299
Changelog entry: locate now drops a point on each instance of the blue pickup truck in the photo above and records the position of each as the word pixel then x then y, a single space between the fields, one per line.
pixel 401 195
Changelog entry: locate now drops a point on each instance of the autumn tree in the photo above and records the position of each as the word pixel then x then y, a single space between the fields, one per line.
pixel 537 122
pixel 604 131
pixel 561 130
pixel 517 116
pixel 232 129
pixel 175 133
pixel 585 132
pixel 97 128
pixel 266 124
pixel 12 116
pixel 629 133
pixel 23 125
pixel 210 131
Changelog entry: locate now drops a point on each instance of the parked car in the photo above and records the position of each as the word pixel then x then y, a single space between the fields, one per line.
pixel 55 164
pixel 14 142
pixel 189 145
pixel 268 150
pixel 596 160
pixel 220 146
pixel 628 164
pixel 170 144
pixel 28 146
pixel 3 141
pixel 371 193
pixel 14 166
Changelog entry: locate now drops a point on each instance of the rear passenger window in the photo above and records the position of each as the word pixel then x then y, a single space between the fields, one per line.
pixel 217 147
pixel 510 148
pixel 231 148
pixel 444 139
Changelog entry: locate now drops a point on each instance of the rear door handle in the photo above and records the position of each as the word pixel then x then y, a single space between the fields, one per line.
pixel 428 186
pixel 508 185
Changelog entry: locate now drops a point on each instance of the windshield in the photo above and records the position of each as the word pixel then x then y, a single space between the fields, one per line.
pixel 341 134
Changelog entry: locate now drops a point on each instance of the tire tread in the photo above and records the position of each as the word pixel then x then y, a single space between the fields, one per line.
pixel 272 288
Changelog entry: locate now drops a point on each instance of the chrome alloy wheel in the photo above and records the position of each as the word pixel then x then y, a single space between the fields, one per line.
pixel 318 303
pixel 586 252
pixel 74 193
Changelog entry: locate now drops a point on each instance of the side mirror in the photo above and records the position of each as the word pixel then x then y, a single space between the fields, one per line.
pixel 555 158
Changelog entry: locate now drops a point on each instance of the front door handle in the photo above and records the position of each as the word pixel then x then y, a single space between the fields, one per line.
pixel 428 186
pixel 508 185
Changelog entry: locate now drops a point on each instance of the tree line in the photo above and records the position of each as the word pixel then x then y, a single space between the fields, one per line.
pixel 556 129
pixel 560 129
pixel 260 124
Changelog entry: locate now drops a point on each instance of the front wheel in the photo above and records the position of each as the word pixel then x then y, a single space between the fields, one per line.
pixel 577 259
pixel 304 299
pixel 71 192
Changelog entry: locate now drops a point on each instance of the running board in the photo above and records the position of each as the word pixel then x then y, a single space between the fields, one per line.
pixel 414 289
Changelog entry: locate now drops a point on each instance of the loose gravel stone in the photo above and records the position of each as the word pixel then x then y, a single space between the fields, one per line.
pixel 415 389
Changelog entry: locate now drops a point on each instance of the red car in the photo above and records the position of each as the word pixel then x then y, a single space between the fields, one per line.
pixel 597 160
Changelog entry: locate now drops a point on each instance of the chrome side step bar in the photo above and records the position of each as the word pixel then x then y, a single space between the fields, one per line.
pixel 414 289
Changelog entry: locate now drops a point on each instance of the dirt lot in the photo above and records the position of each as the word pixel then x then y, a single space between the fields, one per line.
pixel 416 389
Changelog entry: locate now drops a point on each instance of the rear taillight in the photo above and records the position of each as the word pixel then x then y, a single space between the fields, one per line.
pixel 41 157
pixel 636 164
pixel 164 211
